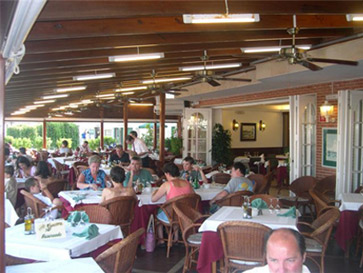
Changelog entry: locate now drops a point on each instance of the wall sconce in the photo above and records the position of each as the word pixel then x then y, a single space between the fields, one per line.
pixel 235 125
pixel 326 110
pixel 262 125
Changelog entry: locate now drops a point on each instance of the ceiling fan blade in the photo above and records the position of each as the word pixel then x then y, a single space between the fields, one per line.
pixel 191 83
pixel 310 65
pixel 213 82
pixel 232 79
pixel 332 61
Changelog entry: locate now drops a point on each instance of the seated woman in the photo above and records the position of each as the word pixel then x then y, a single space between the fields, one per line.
pixel 93 177
pixel 24 167
pixel 64 149
pixel 43 174
pixel 173 187
pixel 117 178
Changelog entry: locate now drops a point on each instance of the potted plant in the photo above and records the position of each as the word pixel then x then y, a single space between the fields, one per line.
pixel 221 145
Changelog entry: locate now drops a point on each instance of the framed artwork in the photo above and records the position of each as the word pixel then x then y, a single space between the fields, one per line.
pixel 248 131
pixel 329 147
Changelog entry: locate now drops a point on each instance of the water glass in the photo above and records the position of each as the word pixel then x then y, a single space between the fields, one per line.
pixel 277 207
pixel 271 207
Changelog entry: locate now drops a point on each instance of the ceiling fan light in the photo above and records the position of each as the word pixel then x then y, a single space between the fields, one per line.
pixel 354 17
pixel 126 89
pixel 94 76
pixel 220 18
pixel 209 67
pixel 136 57
pixel 70 89
pixel 165 80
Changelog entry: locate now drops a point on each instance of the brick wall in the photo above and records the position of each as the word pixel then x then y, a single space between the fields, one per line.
pixel 321 90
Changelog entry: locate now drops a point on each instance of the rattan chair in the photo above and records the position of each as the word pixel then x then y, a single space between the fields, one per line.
pixel 317 238
pixel 326 187
pixel 360 235
pixel 260 183
pixel 267 198
pixel 57 186
pixel 234 199
pixel 172 227
pixel 189 221
pixel 96 213
pixel 62 170
pixel 122 210
pixel 243 244
pixel 221 178
pixel 320 203
pixel 121 256
pixel 35 204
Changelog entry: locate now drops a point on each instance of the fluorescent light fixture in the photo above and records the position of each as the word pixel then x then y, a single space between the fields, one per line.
pixel 56 109
pixel 270 48
pixel 33 106
pixel 58 115
pixel 70 89
pixel 354 17
pixel 209 67
pixel 44 101
pixel 73 105
pixel 165 80
pixel 126 89
pixel 105 95
pixel 68 113
pixel 128 93
pixel 94 76
pixel 136 57
pixel 170 96
pixel 55 96
pixel 108 98
pixel 141 104
pixel 220 18
pixel 18 113
pixel 86 101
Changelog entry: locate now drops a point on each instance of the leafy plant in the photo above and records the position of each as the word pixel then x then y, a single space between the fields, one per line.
pixel 38 143
pixel 95 143
pixel 148 138
pixel 176 145
pixel 221 145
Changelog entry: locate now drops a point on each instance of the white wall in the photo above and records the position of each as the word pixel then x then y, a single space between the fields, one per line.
pixel 271 137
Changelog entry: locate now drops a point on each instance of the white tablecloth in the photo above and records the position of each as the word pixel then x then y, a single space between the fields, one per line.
pixel 72 266
pixel 21 182
pixel 27 246
pixel 225 214
pixel 10 214
pixel 94 197
pixel 350 201
pixel 69 160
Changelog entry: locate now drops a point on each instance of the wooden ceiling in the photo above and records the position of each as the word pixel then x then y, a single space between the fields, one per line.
pixel 76 37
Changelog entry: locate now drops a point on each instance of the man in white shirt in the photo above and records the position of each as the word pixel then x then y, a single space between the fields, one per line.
pixel 285 253
pixel 139 147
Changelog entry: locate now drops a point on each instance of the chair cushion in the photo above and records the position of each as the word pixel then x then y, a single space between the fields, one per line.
pixel 195 239
pixel 312 245
pixel 245 262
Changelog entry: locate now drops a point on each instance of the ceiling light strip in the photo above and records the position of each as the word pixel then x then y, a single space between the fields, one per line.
pixel 55 96
pixel 136 57
pixel 165 80
pixel 126 89
pixel 94 76
pixel 209 67
pixel 270 48
pixel 220 18
pixel 70 89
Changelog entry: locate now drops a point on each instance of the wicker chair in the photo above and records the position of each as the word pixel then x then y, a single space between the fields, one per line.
pixel 234 199
pixel 121 256
pixel 317 237
pixel 300 187
pixel 189 221
pixel 190 200
pixel 61 171
pixel 242 242
pixel 360 235
pixel 96 213
pixel 265 197
pixel 122 211
pixel 57 186
pixel 260 183
pixel 221 178
pixel 35 204
pixel 326 187
pixel 320 203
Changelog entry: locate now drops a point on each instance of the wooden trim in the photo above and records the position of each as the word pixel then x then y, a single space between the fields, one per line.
pixel 44 134
pixel 162 129
pixel 2 163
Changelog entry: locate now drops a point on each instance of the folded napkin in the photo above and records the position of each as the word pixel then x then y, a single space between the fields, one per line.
pixel 76 216
pixel 78 198
pixel 89 232
pixel 258 203
pixel 290 213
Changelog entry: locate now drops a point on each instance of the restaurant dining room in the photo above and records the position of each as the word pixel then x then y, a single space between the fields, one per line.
pixel 181 136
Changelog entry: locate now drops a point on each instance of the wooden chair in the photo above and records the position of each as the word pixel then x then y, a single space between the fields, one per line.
pixel 61 170
pixel 300 187
pixel 190 200
pixel 189 221
pixel 234 199
pixel 318 234
pixel 326 187
pixel 321 204
pixel 120 257
pixel 57 186
pixel 221 178
pixel 122 210
pixel 265 197
pixel 260 183
pixel 35 204
pixel 243 244
pixel 96 213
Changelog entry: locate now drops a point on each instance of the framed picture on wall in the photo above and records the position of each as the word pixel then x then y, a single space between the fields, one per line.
pixel 330 144
pixel 248 131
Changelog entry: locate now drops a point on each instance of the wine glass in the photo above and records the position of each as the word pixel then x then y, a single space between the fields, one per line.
pixel 277 207
pixel 361 191
pixel 271 207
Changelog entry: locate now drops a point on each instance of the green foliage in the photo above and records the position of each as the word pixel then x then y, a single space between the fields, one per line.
pixel 22 142
pixel 94 143
pixel 148 138
pixel 38 143
pixel 221 145
pixel 9 139
pixel 22 131
pixel 109 140
pixel 176 145
pixel 168 144
pixel 59 142
pixel 62 130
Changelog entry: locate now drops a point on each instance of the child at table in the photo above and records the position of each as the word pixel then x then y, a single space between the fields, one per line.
pixel 11 185
pixel 117 175
pixel 41 192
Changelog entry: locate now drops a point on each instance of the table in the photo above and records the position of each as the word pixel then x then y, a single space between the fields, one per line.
pixel 27 246
pixel 211 249
pixel 348 221
pixel 69 160
pixel 72 266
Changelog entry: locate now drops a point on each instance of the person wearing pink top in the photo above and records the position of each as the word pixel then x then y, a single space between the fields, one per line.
pixel 173 187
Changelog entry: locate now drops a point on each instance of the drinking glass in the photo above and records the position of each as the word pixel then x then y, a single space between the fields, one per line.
pixel 271 207
pixel 277 207
pixel 361 191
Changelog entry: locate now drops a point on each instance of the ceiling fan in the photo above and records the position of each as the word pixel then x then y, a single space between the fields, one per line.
pixel 209 76
pixel 295 55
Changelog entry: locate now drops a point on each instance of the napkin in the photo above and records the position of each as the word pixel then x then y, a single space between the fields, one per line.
pixel 89 232
pixel 76 216
pixel 290 213
pixel 78 198
pixel 258 203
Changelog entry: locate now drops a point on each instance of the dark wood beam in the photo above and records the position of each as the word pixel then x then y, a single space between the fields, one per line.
pixel 125 119
pixel 162 129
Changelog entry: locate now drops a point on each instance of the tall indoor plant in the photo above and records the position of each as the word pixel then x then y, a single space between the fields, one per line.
pixel 221 145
